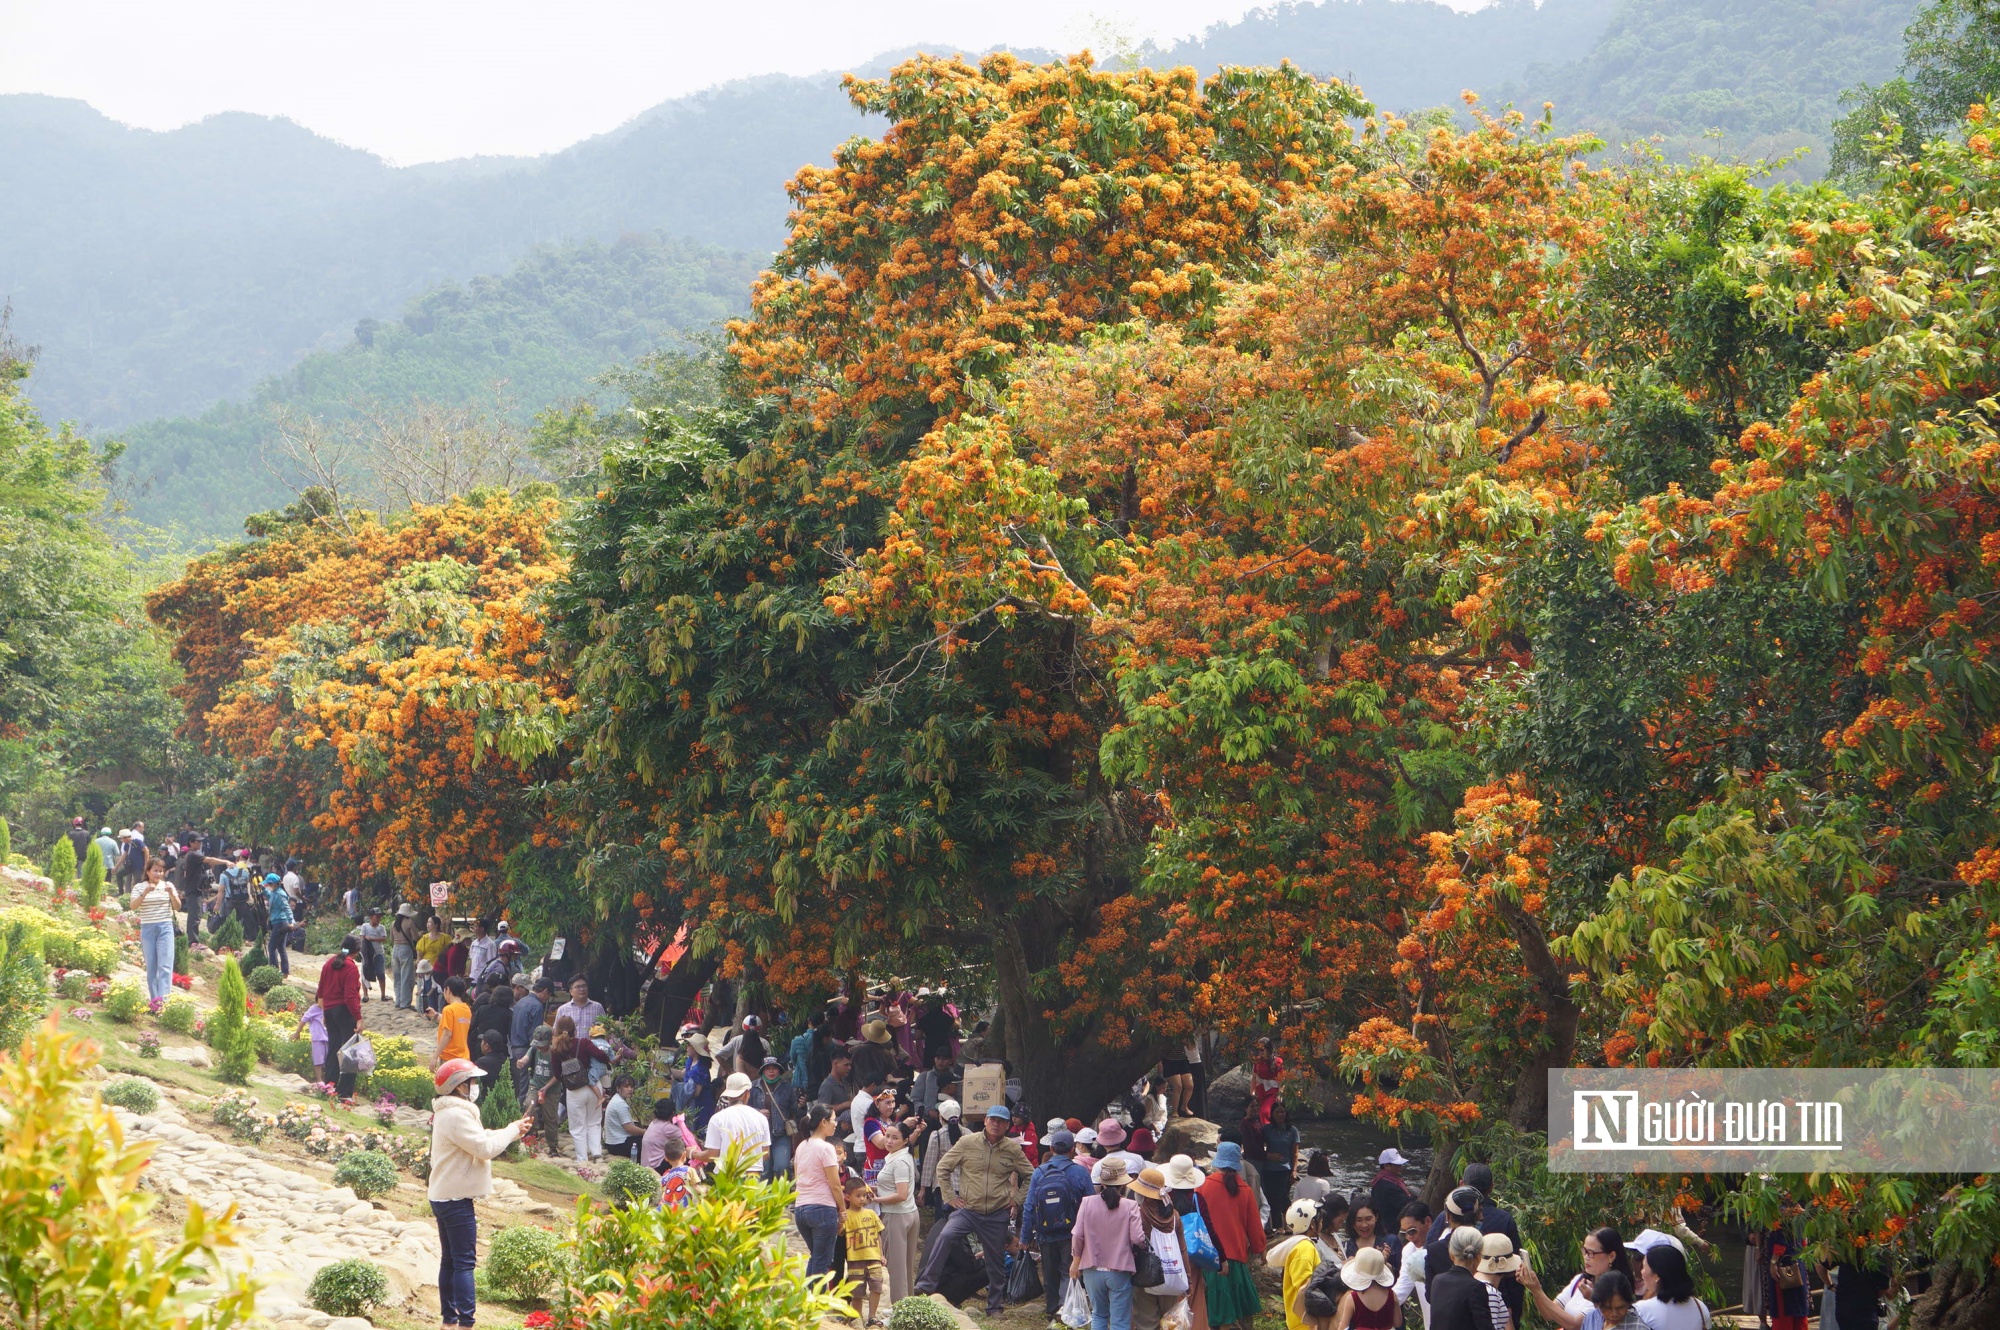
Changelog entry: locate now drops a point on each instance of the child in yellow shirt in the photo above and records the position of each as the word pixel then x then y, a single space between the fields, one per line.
pixel 866 1265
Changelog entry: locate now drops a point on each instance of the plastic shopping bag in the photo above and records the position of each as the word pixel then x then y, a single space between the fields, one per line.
pixel 357 1056
pixel 1173 1271
pixel 1024 1282
pixel 1201 1247
pixel 1076 1306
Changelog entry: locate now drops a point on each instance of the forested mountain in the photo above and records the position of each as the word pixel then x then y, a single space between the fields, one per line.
pixel 161 272
pixel 1767 74
pixel 510 344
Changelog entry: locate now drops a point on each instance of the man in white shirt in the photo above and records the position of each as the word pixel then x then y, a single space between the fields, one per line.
pixel 484 947
pixel 736 1121
pixel 857 1114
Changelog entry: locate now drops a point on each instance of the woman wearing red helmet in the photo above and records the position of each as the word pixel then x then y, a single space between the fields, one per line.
pixel 462 1154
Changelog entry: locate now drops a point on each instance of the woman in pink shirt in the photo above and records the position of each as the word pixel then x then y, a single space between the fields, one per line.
pixel 1101 1241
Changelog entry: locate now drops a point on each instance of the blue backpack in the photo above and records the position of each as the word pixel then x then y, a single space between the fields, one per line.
pixel 1055 1210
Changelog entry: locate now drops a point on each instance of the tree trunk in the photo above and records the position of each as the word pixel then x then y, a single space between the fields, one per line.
pixel 1959 1299
pixel 668 1000
pixel 1076 1076
pixel 1530 1110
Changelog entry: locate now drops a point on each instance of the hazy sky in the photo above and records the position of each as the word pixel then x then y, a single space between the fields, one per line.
pixel 419 80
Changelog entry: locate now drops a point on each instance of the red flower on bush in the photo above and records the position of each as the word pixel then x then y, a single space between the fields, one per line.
pixel 183 981
pixel 537 1320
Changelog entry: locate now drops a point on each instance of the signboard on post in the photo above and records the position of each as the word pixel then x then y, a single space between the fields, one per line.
pixel 440 893
pixel 985 1086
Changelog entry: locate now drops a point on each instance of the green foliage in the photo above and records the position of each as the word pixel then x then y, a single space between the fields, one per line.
pixel 132 1093
pixel 75 986
pixel 394 1052
pixel 182 956
pixel 178 1014
pixel 412 1086
pixel 497 1104
pixel 69 1173
pixel 720 1262
pixel 65 945
pixel 920 1314
pixel 629 1183
pixel 124 1000
pixel 525 1263
pixel 325 933
pixel 1951 59
pixel 228 935
pixel 348 1288
pixel 264 978
pixel 62 864
pixel 24 982
pixel 369 1173
pixel 90 884
pixel 6 841
pixel 229 1026
pixel 284 997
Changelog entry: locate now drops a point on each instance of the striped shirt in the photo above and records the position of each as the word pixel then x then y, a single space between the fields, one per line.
pixel 155 904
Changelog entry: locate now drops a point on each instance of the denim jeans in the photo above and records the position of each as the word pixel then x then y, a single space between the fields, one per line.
pixel 458 1244
pixel 279 951
pixel 1110 1298
pixel 819 1225
pixel 778 1159
pixel 156 945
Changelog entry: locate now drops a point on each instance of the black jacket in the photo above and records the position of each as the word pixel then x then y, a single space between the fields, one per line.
pixel 1458 1301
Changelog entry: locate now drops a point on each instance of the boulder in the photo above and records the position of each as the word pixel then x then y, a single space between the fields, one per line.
pixel 1193 1137
pixel 1227 1097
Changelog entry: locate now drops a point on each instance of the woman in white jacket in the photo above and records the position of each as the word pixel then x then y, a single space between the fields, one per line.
pixel 462 1154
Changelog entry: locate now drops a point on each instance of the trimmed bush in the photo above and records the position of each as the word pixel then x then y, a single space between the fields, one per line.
pixel 24 983
pixel 229 934
pixel 229 1028
pixel 6 841
pixel 413 1086
pixel 133 1094
pixel 393 1052
pixel 497 1104
pixel 124 1000
pixel 179 1014
pixel 919 1314
pixel 94 952
pixel 265 1038
pixel 627 1184
pixel 368 1173
pixel 348 1288
pixel 181 961
pixel 264 978
pixel 75 986
pixel 62 864
pixel 286 998
pixel 90 884
pixel 525 1263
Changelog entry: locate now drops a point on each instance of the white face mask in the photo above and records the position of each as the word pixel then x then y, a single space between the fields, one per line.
pixel 472 1092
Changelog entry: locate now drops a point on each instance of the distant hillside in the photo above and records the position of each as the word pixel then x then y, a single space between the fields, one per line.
pixel 531 337
pixel 1767 74
pixel 160 272
pixel 1405 54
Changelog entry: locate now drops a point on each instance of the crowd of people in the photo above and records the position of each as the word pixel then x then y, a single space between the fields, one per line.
pixel 862 1109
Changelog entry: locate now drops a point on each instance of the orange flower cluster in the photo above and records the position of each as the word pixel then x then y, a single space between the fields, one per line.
pixel 366 684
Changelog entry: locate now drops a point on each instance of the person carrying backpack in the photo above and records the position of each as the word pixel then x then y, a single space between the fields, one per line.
pixel 1055 1189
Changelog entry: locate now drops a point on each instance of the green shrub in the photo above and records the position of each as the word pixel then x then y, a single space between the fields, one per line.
pixel 525 1263
pixel 293 1057
pixel 497 1104
pixel 132 1093
pixel 229 935
pixel 348 1288
pixel 264 978
pixel 91 884
pixel 62 863
pixel 727 1245
pixel 94 951
pixel 179 1014
pixel 24 982
pixel 125 1000
pixel 75 986
pixel 229 1027
pixel 413 1086
pixel 393 1052
pixel 6 841
pixel 181 959
pixel 324 934
pixel 627 1183
pixel 919 1314
pixel 264 1039
pixel 368 1173
pixel 286 998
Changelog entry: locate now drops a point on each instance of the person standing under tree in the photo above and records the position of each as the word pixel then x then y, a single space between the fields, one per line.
pixel 403 954
pixel 462 1154
pixel 339 998
pixel 279 907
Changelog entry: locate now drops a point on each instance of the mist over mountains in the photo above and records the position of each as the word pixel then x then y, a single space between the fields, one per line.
pixel 163 272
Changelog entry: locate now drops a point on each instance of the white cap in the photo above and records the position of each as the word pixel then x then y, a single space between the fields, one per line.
pixel 1391 1156
pixel 1088 1136
pixel 1651 1238
pixel 948 1109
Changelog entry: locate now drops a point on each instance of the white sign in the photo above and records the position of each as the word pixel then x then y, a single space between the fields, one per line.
pixel 440 892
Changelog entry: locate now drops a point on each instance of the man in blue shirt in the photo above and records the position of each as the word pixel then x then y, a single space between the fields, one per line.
pixel 528 1009
pixel 278 907
pixel 1057 1186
